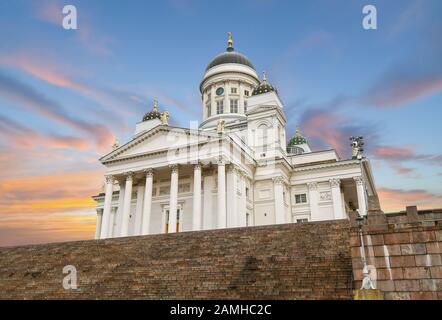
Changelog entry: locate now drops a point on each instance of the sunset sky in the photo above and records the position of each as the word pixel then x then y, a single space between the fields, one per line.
pixel 65 95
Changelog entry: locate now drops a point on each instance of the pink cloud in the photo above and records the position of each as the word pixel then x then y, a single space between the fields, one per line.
pixel 406 152
pixel 40 68
pixel 36 102
pixel 19 135
pixel 50 12
pixel 397 89
pixel 322 125
pixel 396 155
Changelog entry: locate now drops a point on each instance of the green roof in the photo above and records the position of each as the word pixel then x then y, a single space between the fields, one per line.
pixel 297 139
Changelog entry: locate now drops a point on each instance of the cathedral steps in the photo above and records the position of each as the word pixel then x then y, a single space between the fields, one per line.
pixel 291 261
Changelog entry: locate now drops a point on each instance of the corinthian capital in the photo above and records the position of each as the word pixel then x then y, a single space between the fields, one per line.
pixel 359 180
pixel 335 183
pixel 278 180
pixel 109 179
pixel 129 175
pixel 148 172
pixel 174 168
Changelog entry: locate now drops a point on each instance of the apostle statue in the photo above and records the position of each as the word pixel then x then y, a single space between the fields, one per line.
pixel 221 124
pixel 165 118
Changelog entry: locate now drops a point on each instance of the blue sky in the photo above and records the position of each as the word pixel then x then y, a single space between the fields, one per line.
pixel 66 94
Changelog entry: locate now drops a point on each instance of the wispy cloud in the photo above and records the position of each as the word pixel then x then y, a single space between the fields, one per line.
pixel 399 88
pixel 18 135
pixel 326 127
pixel 120 102
pixel 396 156
pixel 67 191
pixel 32 100
pixel 86 34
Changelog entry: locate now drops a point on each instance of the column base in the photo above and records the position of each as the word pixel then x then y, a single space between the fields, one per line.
pixel 368 294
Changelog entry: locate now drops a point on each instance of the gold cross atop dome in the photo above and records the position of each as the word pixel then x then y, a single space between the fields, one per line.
pixel 229 41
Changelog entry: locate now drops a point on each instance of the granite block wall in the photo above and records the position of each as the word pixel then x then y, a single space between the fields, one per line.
pixel 292 261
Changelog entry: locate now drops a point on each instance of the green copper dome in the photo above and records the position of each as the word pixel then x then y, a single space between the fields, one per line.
pixel 154 114
pixel 263 87
pixel 297 139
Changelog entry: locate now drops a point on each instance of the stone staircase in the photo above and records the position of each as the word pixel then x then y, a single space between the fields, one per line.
pixel 291 261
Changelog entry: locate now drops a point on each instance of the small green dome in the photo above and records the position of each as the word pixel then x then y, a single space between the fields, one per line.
pixel 297 139
pixel 154 114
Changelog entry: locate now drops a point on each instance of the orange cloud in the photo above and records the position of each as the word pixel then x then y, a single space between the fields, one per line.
pixel 48 208
pixel 32 100
pixel 54 75
pixel 49 193
pixel 394 200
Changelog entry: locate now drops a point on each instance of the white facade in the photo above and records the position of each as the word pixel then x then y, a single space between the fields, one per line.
pixel 235 170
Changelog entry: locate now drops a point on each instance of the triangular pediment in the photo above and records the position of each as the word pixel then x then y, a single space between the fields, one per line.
pixel 160 138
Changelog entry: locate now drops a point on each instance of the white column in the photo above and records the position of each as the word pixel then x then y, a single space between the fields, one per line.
pixel 98 223
pixel 212 99
pixel 173 202
pixel 119 216
pixel 278 187
pixel 147 208
pixel 139 210
pixel 232 199
pixel 226 97
pixel 289 214
pixel 107 207
pixel 126 205
pixel 335 185
pixel 110 232
pixel 222 215
pixel 362 201
pixel 208 212
pixel 242 206
pixel 314 201
pixel 241 98
pixel 197 217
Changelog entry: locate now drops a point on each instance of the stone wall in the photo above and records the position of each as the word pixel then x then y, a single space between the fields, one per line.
pixel 404 251
pixel 292 261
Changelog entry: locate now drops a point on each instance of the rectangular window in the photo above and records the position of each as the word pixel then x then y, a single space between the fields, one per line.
pixel 233 90
pixel 220 106
pixel 301 198
pixel 245 106
pixel 301 220
pixel 233 105
pixel 246 93
pixel 209 109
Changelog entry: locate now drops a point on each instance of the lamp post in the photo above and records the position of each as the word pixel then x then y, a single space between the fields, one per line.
pixel 366 281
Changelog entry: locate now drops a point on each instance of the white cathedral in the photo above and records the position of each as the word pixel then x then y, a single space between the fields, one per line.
pixel 234 169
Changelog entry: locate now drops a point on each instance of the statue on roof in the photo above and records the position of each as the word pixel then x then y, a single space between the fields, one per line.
pixel 221 126
pixel 165 118
pixel 357 149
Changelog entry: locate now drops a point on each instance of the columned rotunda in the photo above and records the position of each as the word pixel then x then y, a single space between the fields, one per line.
pixel 235 169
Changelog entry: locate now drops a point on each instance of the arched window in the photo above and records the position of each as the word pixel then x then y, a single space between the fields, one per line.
pixel 262 136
